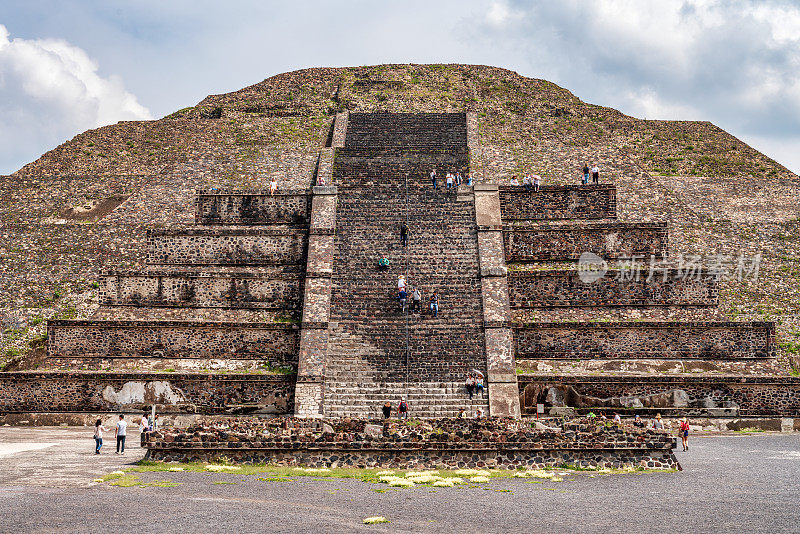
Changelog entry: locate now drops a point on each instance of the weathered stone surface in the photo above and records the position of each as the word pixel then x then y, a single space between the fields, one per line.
pixel 569 241
pixel 445 443
pixel 664 340
pixel 556 288
pixel 559 202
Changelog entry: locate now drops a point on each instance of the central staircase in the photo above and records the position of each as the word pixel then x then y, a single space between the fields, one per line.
pixel 376 352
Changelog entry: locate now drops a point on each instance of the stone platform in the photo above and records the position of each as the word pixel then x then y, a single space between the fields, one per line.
pixel 442 443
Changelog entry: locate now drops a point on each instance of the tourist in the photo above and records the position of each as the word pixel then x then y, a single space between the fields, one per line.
pixel 462 413
pixel 387 410
pixel 320 180
pixel 144 424
pixel 434 305
pixel 403 297
pixel 383 264
pixel 401 283
pixel 595 174
pixel 657 424
pixel 479 385
pixel 479 413
pixel 404 234
pixel 526 182
pixel 433 178
pixel 585 174
pixel 637 422
pixel 416 300
pixel 402 409
pixel 449 181
pixel 470 385
pixel 154 426
pixel 617 419
pixel 469 179
pixel 685 433
pixel 273 186
pixel 537 182
pixel 98 435
pixel 120 433
pixel 514 180
pixel 458 179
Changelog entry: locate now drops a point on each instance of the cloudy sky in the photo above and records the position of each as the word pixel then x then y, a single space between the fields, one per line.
pixel 70 65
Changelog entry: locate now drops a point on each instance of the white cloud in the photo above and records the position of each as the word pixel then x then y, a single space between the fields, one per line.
pixel 734 63
pixel 51 90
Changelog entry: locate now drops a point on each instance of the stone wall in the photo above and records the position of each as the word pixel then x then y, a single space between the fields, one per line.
pixel 661 340
pixel 273 343
pixel 231 206
pixel 564 288
pixel 568 242
pixel 226 246
pixel 445 443
pixel 701 395
pixel 71 391
pixel 559 202
pixel 229 289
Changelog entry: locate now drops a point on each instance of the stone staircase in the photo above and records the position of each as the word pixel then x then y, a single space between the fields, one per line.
pixel 376 353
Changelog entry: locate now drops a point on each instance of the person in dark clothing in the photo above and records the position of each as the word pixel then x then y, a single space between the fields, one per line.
pixel 585 174
pixel 404 234
pixel 387 410
pixel 403 297
pixel 402 409
pixel 470 385
pixel 433 178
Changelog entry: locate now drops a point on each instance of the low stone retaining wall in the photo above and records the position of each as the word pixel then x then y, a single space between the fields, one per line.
pixel 230 206
pixel 662 340
pixel 269 342
pixel 213 289
pixel 201 393
pixel 443 443
pixel 562 288
pixel 559 202
pixel 569 241
pixel 227 246
pixel 711 396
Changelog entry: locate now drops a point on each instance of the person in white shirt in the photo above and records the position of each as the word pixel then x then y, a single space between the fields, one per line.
pixel 595 174
pixel 144 423
pixel 273 186
pixel 98 435
pixel 401 283
pixel 120 433
pixel 449 181
pixel 537 181
pixel 514 180
pixel 433 178
pixel 526 182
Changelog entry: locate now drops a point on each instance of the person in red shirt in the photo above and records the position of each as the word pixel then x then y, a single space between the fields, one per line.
pixel 685 433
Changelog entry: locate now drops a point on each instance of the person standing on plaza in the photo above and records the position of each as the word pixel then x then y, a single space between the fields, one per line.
pixel 685 433
pixel 98 435
pixel 120 433
pixel 595 174
pixel 585 174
